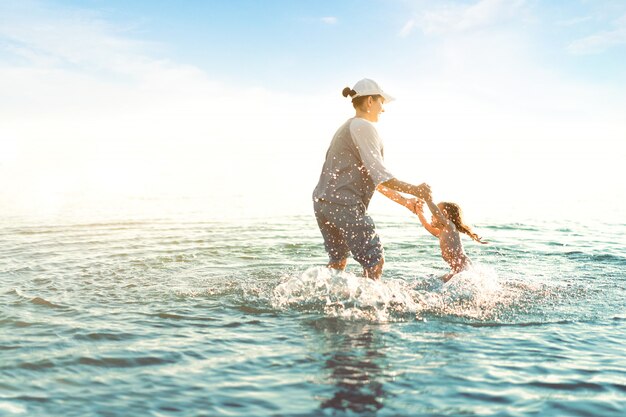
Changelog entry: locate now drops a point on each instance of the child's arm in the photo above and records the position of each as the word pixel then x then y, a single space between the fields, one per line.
pixel 397 197
pixel 429 227
pixel 436 212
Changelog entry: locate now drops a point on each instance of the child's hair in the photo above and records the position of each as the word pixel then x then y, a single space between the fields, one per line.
pixel 453 212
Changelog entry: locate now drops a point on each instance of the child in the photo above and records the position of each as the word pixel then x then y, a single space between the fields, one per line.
pixel 446 224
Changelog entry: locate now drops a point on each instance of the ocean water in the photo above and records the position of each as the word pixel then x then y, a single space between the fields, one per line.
pixel 193 316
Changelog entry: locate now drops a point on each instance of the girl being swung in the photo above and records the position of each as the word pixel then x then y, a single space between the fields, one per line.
pixel 447 224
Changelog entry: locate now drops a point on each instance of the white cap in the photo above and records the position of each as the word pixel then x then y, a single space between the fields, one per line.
pixel 367 87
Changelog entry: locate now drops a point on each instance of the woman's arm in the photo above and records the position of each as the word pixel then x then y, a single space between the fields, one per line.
pixel 396 197
pixel 412 204
pixel 419 191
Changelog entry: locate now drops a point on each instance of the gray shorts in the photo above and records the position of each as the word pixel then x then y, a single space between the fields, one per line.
pixel 348 229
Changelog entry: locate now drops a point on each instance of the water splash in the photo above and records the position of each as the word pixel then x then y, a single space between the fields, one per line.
pixel 345 295
pixel 476 294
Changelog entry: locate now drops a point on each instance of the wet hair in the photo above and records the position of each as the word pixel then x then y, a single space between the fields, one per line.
pixel 357 101
pixel 453 212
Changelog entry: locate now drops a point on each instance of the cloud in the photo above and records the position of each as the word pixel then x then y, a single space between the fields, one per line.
pixel 89 110
pixel 75 39
pixel 574 21
pixel 407 28
pixel 56 60
pixel 330 20
pixel 455 18
pixel 601 41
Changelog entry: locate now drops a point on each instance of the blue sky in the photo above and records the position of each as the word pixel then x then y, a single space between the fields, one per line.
pixel 282 43
pixel 177 94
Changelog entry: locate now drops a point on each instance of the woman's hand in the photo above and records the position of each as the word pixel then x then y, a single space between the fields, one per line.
pixel 423 191
pixel 415 205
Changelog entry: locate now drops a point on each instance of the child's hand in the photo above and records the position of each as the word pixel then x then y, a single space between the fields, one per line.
pixel 416 205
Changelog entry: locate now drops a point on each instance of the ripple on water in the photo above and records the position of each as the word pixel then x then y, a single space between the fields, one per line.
pixel 105 336
pixel 128 362
pixel 43 302
pixel 11 408
pixel 147 318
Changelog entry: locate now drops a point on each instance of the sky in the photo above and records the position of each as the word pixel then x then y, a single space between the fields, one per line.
pixel 500 104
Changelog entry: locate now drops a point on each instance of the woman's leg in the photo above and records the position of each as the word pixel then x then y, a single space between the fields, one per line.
pixel 340 265
pixel 376 271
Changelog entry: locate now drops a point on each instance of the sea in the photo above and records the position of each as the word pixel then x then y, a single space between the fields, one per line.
pixel 178 312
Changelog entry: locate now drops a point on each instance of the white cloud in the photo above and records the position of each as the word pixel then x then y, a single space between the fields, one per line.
pixel 601 41
pixel 87 111
pixel 504 123
pixel 407 28
pixel 455 18
pixel 574 21
pixel 93 111
pixel 330 20
pixel 74 39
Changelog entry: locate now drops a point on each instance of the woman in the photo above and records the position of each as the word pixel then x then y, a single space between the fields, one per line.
pixel 352 170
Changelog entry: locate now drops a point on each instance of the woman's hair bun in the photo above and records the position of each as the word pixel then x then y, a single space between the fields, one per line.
pixel 348 92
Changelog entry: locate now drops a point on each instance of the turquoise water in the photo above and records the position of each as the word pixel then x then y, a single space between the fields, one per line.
pixel 188 316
